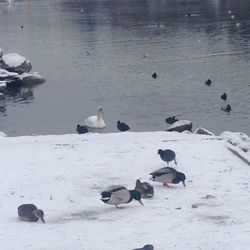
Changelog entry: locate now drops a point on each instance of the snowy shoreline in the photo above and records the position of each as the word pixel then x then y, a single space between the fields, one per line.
pixel 64 175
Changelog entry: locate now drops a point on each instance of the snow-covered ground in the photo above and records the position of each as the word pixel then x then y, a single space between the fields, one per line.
pixel 64 175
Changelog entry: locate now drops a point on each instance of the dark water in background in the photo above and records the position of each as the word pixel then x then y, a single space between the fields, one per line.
pixel 184 51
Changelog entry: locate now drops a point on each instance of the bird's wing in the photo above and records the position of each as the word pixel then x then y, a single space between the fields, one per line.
pixel 161 171
pixel 114 188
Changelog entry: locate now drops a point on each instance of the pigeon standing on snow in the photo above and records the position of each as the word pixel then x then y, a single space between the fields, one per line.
pixel 168 175
pixel 146 247
pixel 29 212
pixel 122 126
pixel 167 155
pixel 118 194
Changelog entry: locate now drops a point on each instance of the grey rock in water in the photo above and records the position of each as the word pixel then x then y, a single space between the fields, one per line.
pixel 203 131
pixel 14 62
pixel 180 126
pixel 32 78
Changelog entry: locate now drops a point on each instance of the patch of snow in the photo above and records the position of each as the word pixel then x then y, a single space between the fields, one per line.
pixel 14 59
pixel 64 175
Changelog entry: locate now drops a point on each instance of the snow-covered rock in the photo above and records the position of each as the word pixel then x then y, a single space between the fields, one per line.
pixel 203 131
pixel 1 53
pixel 181 126
pixel 3 134
pixel 237 139
pixel 10 78
pixel 32 78
pixel 16 63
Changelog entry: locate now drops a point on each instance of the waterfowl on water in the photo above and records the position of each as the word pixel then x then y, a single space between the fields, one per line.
pixel 224 96
pixel 122 126
pixel 208 82
pixel 171 120
pixel 154 75
pixel 146 247
pixel 227 108
pixel 81 129
pixel 146 189
pixel 29 212
pixel 168 175
pixel 167 155
pixel 118 194
pixel 96 121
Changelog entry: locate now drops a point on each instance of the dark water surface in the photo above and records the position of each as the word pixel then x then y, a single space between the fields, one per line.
pixel 183 50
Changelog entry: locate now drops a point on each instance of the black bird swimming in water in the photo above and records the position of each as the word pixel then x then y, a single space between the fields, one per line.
pixel 224 97
pixel 171 120
pixel 146 247
pixel 122 126
pixel 208 82
pixel 227 108
pixel 81 129
pixel 154 75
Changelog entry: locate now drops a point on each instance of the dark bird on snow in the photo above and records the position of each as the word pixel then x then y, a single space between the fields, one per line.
pixel 146 189
pixel 227 108
pixel 29 212
pixel 224 97
pixel 146 247
pixel 168 175
pixel 171 120
pixel 81 129
pixel 122 126
pixel 208 82
pixel 167 155
pixel 154 75
pixel 118 194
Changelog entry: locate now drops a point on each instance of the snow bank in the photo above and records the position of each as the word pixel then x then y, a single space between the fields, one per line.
pixel 64 175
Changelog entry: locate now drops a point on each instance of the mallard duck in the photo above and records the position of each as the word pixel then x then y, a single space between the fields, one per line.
pixel 167 155
pixel 122 126
pixel 146 189
pixel 81 129
pixel 96 121
pixel 168 175
pixel 146 247
pixel 29 212
pixel 118 194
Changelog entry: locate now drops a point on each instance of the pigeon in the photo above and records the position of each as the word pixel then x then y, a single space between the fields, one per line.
pixel 167 155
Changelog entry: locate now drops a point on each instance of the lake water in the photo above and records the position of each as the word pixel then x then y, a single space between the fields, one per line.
pixel 93 52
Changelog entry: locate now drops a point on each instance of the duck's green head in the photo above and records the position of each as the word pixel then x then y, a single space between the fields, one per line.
pixel 136 196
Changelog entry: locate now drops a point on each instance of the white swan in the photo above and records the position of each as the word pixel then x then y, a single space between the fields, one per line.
pixel 96 121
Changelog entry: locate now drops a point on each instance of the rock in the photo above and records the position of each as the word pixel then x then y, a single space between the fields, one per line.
pixel 14 62
pixel 203 131
pixel 11 79
pixel 1 53
pixel 3 86
pixel 2 97
pixel 33 78
pixel 2 134
pixel 194 206
pixel 181 126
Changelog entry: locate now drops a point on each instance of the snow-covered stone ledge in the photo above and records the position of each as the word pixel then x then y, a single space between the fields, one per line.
pixel 64 175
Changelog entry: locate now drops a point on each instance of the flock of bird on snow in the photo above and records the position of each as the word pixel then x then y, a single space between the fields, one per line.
pixel 118 194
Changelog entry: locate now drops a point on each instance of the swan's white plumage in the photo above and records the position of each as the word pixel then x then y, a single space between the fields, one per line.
pixel 96 121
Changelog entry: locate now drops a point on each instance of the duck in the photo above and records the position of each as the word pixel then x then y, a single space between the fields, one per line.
pixel 171 120
pixel 81 129
pixel 227 108
pixel 122 126
pixel 167 155
pixel 146 247
pixel 224 96
pixel 29 212
pixel 118 194
pixel 208 82
pixel 168 175
pixel 146 189
pixel 96 121
pixel 154 75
